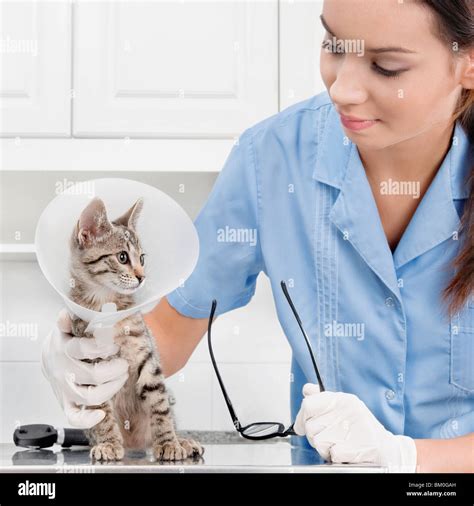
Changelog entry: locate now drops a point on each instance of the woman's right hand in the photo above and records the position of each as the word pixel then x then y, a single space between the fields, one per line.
pixel 77 383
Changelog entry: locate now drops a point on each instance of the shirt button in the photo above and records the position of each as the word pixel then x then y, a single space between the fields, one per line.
pixel 389 394
pixel 389 302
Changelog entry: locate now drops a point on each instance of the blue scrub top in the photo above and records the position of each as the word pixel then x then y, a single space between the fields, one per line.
pixel 293 201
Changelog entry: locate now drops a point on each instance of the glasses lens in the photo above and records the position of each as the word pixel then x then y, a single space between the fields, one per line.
pixel 262 429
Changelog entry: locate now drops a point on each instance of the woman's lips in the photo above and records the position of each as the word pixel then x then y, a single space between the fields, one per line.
pixel 352 123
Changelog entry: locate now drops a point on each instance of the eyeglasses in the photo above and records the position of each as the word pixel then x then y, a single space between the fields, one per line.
pixel 261 430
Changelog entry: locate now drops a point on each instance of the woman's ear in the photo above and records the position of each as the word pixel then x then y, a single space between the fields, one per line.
pixel 467 77
pixel 93 223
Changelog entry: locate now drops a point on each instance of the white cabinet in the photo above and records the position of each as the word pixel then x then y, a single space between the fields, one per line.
pixel 174 68
pixel 301 34
pixel 35 69
pixel 157 85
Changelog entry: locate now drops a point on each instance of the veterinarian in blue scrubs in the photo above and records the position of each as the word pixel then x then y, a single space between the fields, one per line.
pixel 296 180
pixel 354 197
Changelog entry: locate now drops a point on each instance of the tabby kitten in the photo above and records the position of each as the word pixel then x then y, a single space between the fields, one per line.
pixel 108 265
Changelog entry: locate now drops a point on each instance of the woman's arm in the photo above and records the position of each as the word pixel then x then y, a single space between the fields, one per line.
pixel 176 335
pixel 454 455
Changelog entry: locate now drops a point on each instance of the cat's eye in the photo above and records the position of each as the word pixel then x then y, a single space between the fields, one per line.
pixel 122 257
pixel 142 259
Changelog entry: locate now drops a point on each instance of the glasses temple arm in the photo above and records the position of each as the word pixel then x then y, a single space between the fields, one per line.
pixel 308 344
pixel 214 364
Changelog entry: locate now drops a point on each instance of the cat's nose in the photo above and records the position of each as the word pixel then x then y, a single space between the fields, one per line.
pixel 139 274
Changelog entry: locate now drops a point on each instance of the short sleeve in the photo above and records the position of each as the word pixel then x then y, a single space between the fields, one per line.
pixel 230 257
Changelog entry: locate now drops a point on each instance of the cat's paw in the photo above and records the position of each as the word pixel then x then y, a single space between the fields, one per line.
pixel 171 450
pixel 107 451
pixel 192 447
pixel 78 327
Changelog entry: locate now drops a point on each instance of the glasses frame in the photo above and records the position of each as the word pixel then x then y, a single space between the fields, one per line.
pixel 282 432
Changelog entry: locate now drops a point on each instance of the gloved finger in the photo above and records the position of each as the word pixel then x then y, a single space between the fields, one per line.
pixel 94 395
pixel 308 412
pixel 98 373
pixel 104 335
pixel 45 355
pixel 316 424
pixel 83 418
pixel 310 389
pixel 321 403
pixel 299 426
pixel 315 406
pixel 323 448
pixel 324 441
pixel 64 321
pixel 347 452
pixel 86 347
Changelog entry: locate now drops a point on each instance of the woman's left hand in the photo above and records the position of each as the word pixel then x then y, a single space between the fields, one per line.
pixel 343 429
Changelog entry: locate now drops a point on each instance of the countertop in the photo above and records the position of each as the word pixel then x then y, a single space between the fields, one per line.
pixel 224 453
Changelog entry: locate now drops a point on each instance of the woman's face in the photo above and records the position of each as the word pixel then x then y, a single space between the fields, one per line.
pixel 409 90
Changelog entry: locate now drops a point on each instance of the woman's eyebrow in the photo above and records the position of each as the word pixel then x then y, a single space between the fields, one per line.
pixel 391 49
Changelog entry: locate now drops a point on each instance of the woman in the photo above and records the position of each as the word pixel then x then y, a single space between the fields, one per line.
pixel 357 196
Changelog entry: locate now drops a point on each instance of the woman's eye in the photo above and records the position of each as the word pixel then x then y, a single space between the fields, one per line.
pixel 385 72
pixel 123 257
pixel 142 258
pixel 328 47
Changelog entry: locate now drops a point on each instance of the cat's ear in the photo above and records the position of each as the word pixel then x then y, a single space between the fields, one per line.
pixel 129 219
pixel 93 223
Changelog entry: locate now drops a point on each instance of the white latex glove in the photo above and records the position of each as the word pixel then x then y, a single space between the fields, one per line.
pixel 61 365
pixel 343 429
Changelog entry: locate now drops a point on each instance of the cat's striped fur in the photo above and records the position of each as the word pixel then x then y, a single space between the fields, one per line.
pixel 139 415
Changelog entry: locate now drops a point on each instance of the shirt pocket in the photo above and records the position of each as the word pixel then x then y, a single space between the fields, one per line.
pixel 462 348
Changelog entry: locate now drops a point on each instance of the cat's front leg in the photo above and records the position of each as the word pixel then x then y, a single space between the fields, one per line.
pixel 106 436
pixel 152 392
pixel 78 328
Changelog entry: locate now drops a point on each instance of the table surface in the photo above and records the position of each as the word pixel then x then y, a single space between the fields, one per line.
pixel 231 457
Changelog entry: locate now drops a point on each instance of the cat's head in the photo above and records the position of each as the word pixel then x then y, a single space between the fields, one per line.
pixel 108 254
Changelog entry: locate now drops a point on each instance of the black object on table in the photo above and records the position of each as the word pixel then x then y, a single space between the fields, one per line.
pixel 43 436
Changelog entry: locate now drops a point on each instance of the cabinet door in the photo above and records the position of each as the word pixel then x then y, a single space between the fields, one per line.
pixel 174 68
pixel 301 35
pixel 35 69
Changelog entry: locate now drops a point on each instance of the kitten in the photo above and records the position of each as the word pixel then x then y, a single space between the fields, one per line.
pixel 108 265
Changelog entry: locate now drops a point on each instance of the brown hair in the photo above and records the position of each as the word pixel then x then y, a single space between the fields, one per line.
pixel 455 26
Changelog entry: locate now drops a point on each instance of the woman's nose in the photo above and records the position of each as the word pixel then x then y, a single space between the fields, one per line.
pixel 348 88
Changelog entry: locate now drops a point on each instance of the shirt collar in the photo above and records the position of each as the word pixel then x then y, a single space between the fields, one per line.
pixel 334 151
